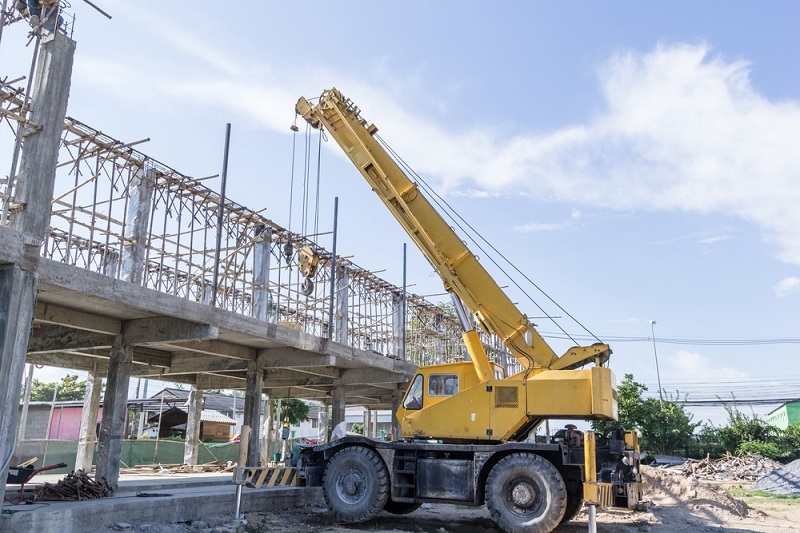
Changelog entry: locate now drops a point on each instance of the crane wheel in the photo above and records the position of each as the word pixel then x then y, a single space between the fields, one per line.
pixel 356 484
pixel 525 493
pixel 401 507
pixel 574 504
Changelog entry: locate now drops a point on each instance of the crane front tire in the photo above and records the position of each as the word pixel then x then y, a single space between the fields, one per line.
pixel 525 493
pixel 355 484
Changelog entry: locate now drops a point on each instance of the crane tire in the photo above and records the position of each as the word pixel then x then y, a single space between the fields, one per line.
pixel 526 494
pixel 401 507
pixel 355 484
pixel 574 504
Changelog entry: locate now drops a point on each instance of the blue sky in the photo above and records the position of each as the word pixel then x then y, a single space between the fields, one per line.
pixel 638 161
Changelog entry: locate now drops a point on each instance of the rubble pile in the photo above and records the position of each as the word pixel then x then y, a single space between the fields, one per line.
pixel 75 486
pixel 783 480
pixel 162 468
pixel 729 467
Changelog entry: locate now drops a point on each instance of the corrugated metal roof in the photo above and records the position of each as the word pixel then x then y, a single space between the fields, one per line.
pixel 209 415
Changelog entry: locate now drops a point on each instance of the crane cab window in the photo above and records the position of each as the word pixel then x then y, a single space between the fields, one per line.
pixel 413 399
pixel 442 384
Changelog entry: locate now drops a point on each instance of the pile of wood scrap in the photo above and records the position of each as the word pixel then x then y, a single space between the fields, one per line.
pixel 161 468
pixel 75 486
pixel 729 467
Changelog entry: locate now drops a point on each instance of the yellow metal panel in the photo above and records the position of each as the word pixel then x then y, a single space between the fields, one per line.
pixel 576 393
pixel 471 414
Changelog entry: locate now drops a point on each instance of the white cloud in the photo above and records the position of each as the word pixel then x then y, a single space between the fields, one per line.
pixel 681 129
pixel 683 363
pixel 531 227
pixel 787 286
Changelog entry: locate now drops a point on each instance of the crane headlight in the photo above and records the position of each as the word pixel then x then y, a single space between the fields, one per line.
pixel 528 336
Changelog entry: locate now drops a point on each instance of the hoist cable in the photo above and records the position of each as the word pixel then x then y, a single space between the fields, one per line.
pixel 319 172
pixel 291 179
pixel 453 215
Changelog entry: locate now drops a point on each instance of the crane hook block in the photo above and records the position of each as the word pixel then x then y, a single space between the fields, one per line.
pixel 308 260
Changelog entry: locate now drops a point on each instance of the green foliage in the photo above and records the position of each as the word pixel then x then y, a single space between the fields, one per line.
pixel 742 428
pixel 664 426
pixel 770 450
pixel 358 428
pixel 69 389
pixel 296 410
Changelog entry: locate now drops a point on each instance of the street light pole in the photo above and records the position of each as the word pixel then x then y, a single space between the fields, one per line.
pixel 655 354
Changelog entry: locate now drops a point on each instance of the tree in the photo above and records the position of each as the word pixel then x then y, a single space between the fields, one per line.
pixel 296 410
pixel 664 426
pixel 69 389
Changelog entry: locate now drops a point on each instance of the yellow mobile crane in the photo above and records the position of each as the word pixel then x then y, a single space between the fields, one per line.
pixel 465 426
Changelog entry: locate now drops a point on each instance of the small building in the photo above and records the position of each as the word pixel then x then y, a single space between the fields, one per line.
pixel 786 414
pixel 214 426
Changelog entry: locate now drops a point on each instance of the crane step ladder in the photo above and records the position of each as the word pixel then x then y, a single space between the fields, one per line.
pixel 404 468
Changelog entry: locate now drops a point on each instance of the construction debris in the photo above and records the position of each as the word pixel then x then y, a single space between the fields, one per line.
pixel 160 468
pixel 729 467
pixel 75 486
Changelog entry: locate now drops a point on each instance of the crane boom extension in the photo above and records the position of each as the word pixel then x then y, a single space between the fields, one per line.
pixel 460 270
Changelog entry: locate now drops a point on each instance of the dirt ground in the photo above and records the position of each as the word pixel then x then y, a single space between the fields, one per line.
pixel 678 503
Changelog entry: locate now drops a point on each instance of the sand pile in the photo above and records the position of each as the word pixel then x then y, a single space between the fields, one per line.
pixel 668 488
pixel 783 480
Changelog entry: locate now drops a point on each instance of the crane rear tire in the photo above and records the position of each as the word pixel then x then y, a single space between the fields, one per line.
pixel 355 484
pixel 525 493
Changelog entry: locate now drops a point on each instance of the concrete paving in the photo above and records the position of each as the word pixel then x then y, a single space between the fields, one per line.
pixel 185 497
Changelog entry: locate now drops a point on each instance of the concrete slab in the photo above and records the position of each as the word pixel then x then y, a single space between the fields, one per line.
pixel 186 497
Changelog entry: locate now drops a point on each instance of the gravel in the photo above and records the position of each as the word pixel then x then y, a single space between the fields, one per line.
pixel 783 480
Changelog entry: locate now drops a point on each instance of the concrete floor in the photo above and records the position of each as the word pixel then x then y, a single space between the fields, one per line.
pixel 191 496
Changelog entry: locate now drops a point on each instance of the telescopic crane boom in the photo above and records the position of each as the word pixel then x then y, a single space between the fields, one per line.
pixel 461 272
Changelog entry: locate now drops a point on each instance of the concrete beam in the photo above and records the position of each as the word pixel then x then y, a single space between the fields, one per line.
pixel 184 362
pixel 211 381
pixel 65 360
pixel 54 314
pixel 217 348
pixel 157 330
pixel 270 383
pixel 48 338
pixel 291 357
pixel 359 376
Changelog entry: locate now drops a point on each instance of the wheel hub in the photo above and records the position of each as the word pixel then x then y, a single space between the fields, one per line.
pixel 351 483
pixel 523 495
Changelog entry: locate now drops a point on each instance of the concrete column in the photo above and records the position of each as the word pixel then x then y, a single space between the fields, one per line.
pixel 87 436
pixel 36 181
pixel 397 398
pixel 111 264
pixel 192 446
pixel 17 297
pixel 34 191
pixel 369 428
pixel 338 405
pixel 137 225
pixel 322 423
pixel 112 427
pixel 252 411
pixel 26 400
pixel 342 303
pixel 266 433
pixel 261 263
pixel 397 326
